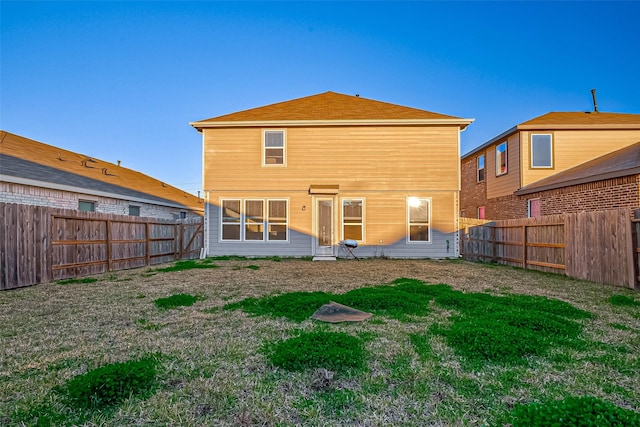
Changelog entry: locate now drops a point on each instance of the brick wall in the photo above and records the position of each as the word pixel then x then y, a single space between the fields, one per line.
pixel 600 195
pixel 38 196
pixel 473 194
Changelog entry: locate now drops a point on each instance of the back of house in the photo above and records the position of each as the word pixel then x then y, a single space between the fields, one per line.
pixel 299 178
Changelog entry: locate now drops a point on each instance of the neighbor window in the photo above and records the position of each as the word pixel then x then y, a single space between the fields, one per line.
pixel 231 220
pixel 253 220
pixel 419 213
pixel 534 208
pixel 481 168
pixel 274 148
pixel 352 219
pixel 501 159
pixel 541 151
pixel 134 210
pixel 277 220
pixel 481 212
pixel 86 206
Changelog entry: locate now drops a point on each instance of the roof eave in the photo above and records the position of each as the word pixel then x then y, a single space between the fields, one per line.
pixel 91 192
pixel 205 124
pixel 585 180
pixel 553 126
pixel 491 141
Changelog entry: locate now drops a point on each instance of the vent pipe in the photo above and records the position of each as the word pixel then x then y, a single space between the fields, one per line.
pixel 595 104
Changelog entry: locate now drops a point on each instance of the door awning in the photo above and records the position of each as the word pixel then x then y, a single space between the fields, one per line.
pixel 324 189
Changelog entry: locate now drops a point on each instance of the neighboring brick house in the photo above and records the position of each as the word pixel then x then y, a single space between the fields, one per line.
pixel 299 177
pixel 498 177
pixel 610 181
pixel 33 173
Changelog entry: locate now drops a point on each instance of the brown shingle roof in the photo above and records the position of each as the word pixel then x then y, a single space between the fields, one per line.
pixel 328 106
pixel 567 120
pixel 554 119
pixel 25 158
pixel 623 162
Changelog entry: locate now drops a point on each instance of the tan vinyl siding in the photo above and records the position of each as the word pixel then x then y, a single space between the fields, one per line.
pixel 573 147
pixel 498 186
pixel 358 158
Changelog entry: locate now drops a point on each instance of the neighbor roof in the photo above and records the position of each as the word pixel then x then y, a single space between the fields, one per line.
pixel 27 161
pixel 623 162
pixel 568 120
pixel 329 106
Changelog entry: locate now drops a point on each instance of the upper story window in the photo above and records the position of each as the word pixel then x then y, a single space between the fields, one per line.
pixel 274 148
pixel 501 159
pixel 418 221
pixel 134 210
pixel 541 151
pixel 481 168
pixel 352 219
pixel 86 206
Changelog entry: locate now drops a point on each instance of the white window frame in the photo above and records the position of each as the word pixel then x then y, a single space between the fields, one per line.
pixel 264 147
pixel 506 159
pixel 550 166
pixel 408 203
pixel 246 223
pixel 223 223
pixel 242 220
pixel 342 217
pixel 269 223
pixel 478 169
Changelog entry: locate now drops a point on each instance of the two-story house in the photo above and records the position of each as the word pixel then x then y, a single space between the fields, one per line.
pixel 299 177
pixel 544 166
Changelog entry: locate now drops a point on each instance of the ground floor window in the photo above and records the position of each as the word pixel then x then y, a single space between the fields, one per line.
pixel 352 219
pixel 533 208
pixel 134 210
pixel 419 213
pixel 230 219
pixel 86 206
pixel 254 220
pixel 481 212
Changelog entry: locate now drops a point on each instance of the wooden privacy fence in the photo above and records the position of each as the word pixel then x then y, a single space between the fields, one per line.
pixel 598 246
pixel 40 244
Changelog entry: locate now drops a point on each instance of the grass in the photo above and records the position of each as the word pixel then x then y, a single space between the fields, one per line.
pixel 262 361
pixel 74 281
pixel 189 264
pixel 175 301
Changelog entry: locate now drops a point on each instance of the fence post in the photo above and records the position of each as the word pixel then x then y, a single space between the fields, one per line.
pixel 147 244
pixel 108 245
pixel 635 238
pixel 524 246
pixel 494 255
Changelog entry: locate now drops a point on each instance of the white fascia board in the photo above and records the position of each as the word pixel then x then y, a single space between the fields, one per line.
pixel 311 123
pixel 491 141
pixel 79 190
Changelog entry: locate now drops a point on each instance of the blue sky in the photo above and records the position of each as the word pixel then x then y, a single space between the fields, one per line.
pixel 122 80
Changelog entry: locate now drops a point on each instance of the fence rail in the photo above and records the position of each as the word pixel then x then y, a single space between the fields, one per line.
pixel 598 246
pixel 40 244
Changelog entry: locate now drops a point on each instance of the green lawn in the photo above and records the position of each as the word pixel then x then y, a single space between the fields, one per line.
pixel 450 343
